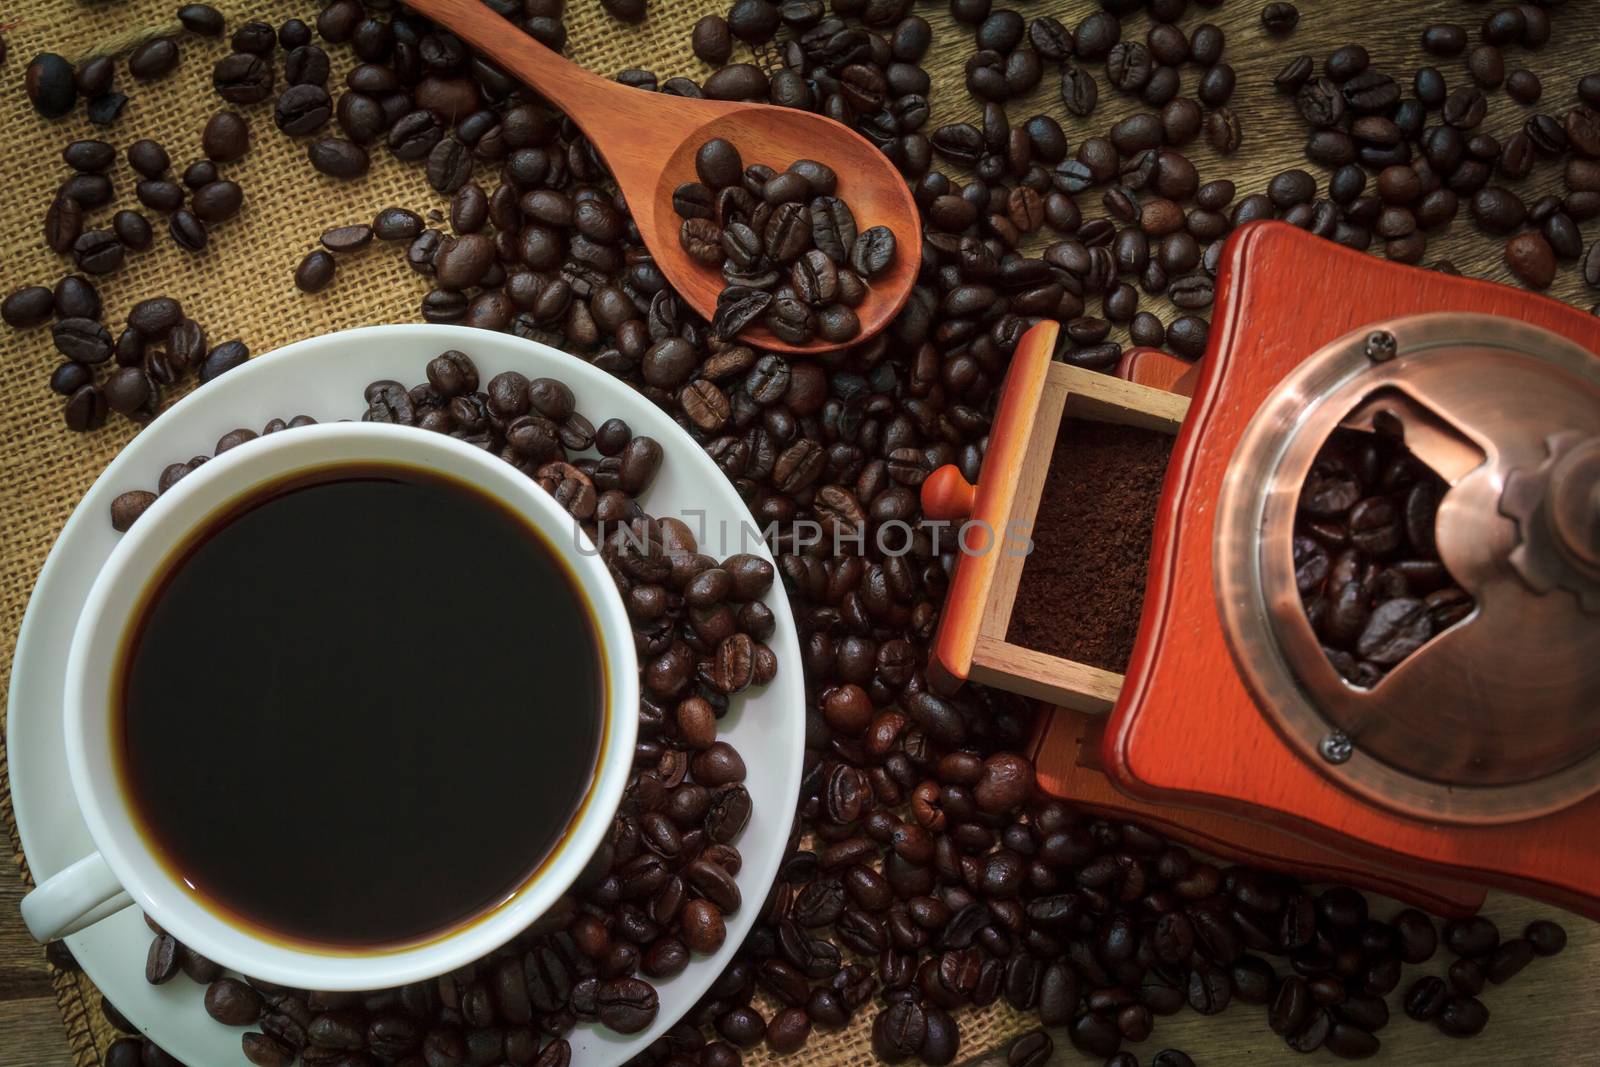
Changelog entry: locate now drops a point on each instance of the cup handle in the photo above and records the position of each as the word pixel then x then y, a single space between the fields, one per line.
pixel 79 896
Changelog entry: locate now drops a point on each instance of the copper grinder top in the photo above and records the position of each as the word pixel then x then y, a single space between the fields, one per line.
pixel 1497 718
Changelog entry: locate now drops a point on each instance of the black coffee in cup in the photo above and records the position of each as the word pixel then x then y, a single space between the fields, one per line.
pixel 360 707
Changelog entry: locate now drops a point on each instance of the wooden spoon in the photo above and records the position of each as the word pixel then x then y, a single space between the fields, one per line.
pixel 649 140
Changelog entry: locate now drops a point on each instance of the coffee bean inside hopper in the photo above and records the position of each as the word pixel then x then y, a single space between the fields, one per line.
pixel 1365 557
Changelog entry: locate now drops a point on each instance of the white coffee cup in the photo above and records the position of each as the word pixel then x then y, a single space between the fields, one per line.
pixel 123 871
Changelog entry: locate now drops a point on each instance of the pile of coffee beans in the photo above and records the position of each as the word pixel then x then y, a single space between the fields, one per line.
pixel 788 248
pixel 924 873
pixel 1365 559
pixel 1429 151
pixel 660 888
pixel 159 345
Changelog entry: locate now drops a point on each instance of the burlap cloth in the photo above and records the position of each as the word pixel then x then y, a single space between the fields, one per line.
pixel 240 287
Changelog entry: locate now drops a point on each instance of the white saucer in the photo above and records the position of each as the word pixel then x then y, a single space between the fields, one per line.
pixel 324 377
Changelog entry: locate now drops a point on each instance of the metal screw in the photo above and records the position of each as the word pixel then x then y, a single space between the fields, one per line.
pixel 1336 747
pixel 1380 346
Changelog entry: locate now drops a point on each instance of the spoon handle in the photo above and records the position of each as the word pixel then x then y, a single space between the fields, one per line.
pixel 595 103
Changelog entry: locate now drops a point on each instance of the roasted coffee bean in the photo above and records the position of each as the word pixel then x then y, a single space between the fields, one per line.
pixel 1416 936
pixel 303 109
pixel 1508 960
pixel 1546 937
pixel 217 201
pixel 306 65
pixel 1032 1049
pixel 712 40
pixel 873 251
pixel 899 1031
pixel 94 78
pixel 154 59
pixel 232 1002
pixel 161 963
pixel 347 238
pixel 97 252
pixel 242 78
pixel 626 1005
pixel 1079 93
pixel 188 231
pixel 1531 259
pixel 50 86
pixel 132 229
pixel 315 272
pixel 1462 1017
pixel 81 339
pixel 127 507
pixel 833 228
pixel 449 165
pixel 28 306
pixel 223 358
pixel 337 158
pixel 1223 130
pixel 226 137
pixel 63 224
pixel 148 158
pixel 129 391
pixel 1473 937
pixel 718 164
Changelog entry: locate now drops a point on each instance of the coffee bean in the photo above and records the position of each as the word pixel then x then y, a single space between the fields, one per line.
pixel 63 224
pixel 1280 18
pixel 1498 210
pixel 1462 1017
pixel 1223 131
pixel 302 109
pixel 202 19
pixel 161 963
pixel 351 239
pixel 50 86
pixel 129 391
pixel 94 77
pixel 242 78
pixel 899 1031
pixel 1079 93
pixel 315 272
pixel 1032 1049
pixel 1531 259
pixel 1487 66
pixel 127 507
pixel 1523 86
pixel 626 1005
pixel 1465 108
pixel 81 339
pixel 788 1030
pixel 223 358
pixel 217 201
pixel 1507 961
pixel 449 165
pixel 28 306
pixel 712 40
pixel 337 158
pixel 232 1003
pixel 154 59
pixel 873 251
pixel 187 230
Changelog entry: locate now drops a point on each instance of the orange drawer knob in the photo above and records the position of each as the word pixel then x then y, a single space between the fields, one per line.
pixel 946 495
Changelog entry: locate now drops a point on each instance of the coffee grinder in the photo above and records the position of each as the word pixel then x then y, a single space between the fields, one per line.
pixel 1473 763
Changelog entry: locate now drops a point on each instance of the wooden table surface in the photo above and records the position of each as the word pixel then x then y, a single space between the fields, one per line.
pixel 1548 1015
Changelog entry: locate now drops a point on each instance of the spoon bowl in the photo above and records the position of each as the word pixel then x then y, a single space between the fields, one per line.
pixel 649 140
pixel 778 140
